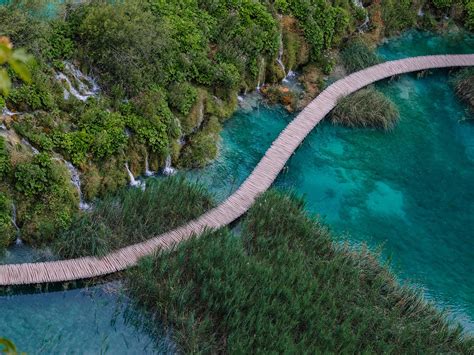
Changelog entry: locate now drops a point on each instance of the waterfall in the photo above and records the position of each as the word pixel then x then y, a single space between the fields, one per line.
pixel 280 53
pixel 18 240
pixel 84 86
pixel 133 181
pixel 364 25
pixel 28 144
pixel 7 112
pixel 261 72
pixel 168 169
pixel 148 172
pixel 76 181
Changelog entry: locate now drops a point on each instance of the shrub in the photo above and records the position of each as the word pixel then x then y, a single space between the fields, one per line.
pixel 366 108
pixel 5 165
pixel 182 97
pixel 32 178
pixel 398 15
pixel 7 230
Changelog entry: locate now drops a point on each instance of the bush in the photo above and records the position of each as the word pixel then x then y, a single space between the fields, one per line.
pixel 5 165
pixel 285 287
pixel 366 108
pixel 398 15
pixel 132 216
pixel 7 229
pixel 357 55
pixel 182 97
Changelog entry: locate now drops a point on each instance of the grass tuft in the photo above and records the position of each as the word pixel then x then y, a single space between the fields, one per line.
pixel 366 108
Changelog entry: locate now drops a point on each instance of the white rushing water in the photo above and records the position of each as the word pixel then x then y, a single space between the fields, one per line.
pixel 168 169
pixel 133 182
pixel 280 53
pixel 77 84
pixel 76 181
pixel 363 27
pixel 148 172
pixel 261 74
pixel 18 240
pixel 28 144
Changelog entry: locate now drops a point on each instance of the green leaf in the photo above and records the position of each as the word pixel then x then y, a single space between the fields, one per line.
pixel 21 69
pixel 5 82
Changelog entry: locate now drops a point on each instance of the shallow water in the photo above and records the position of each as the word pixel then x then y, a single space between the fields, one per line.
pixel 410 190
pixel 80 321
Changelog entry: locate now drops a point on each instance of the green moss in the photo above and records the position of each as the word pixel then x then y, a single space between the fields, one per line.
pixel 366 108
pixel 202 147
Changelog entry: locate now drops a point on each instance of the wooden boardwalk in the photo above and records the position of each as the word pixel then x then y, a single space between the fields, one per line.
pixel 238 203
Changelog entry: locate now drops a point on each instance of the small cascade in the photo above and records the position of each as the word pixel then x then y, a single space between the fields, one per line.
pixel 240 98
pixel 290 76
pixel 7 112
pixel 28 144
pixel 81 87
pixel 76 181
pixel 421 13
pixel 168 169
pixel 148 172
pixel 280 53
pixel 18 240
pixel 363 27
pixel 133 181
pixel 261 73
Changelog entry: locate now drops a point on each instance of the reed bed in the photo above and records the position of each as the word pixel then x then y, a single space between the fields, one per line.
pixel 284 286
pixel 134 215
pixel 366 108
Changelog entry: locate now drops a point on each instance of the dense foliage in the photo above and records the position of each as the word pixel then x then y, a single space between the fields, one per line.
pixel 286 287
pixel 366 108
pixel 133 215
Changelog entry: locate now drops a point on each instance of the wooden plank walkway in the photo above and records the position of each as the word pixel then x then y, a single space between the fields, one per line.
pixel 238 203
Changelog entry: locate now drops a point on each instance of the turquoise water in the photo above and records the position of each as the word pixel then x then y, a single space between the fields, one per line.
pixel 410 190
pixel 81 321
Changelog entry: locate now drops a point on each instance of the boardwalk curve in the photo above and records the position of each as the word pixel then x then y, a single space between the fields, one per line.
pixel 239 202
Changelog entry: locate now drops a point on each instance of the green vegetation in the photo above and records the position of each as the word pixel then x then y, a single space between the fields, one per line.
pixel 7 229
pixel 366 108
pixel 132 216
pixel 357 54
pixel 463 82
pixel 286 287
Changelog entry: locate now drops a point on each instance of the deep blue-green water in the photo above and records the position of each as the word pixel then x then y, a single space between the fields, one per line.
pixel 410 190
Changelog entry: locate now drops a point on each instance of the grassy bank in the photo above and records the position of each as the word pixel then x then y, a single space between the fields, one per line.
pixel 133 215
pixel 286 287
pixel 366 108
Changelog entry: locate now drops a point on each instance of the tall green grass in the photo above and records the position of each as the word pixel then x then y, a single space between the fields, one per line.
pixel 463 82
pixel 366 108
pixel 133 215
pixel 357 54
pixel 286 287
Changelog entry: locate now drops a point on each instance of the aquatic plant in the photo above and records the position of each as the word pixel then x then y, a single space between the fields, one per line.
pixel 366 108
pixel 133 215
pixel 286 287
pixel 463 82
pixel 357 54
